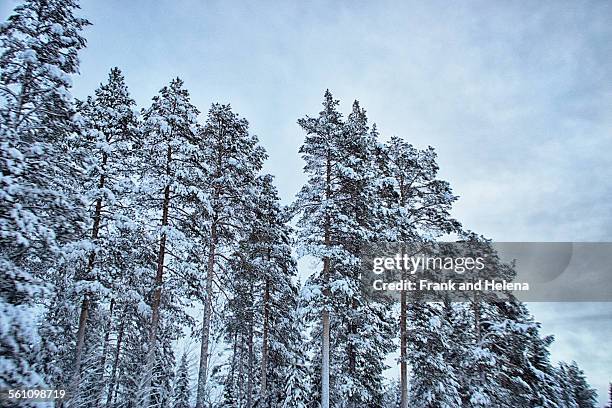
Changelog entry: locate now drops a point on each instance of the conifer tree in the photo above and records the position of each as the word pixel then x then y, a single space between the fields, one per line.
pixel 169 180
pixel 182 390
pixel 417 209
pixel 232 158
pixel 338 210
pixel 434 382
pixel 39 210
pixel 318 204
pixel 260 325
pixel 276 270
pixel 577 388
pixel 109 135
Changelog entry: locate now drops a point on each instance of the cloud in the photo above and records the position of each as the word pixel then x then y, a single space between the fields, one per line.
pixel 515 96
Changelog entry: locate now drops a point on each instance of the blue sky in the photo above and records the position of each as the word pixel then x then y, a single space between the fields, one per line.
pixel 515 96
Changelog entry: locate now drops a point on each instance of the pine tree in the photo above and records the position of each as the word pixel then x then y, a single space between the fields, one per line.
pixel 38 207
pixel 576 386
pixel 369 328
pixel 182 390
pixel 610 396
pixel 435 382
pixel 169 181
pixel 417 208
pixel 318 205
pixel 277 295
pixel 338 210
pixel 109 135
pixel 233 159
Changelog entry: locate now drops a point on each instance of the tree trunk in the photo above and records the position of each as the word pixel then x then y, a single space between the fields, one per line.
pixel 105 349
pixel 403 322
pixel 264 345
pixel 113 377
pixel 203 371
pixel 403 350
pixel 86 303
pixel 249 403
pixel 241 371
pixel 326 294
pixel 325 365
pixel 159 280
pixel 351 353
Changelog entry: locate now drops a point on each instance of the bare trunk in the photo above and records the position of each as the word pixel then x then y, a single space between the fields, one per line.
pixel 80 341
pixel 86 303
pixel 264 346
pixel 249 391
pixel 241 371
pixel 105 349
pixel 325 365
pixel 113 376
pixel 351 353
pixel 159 280
pixel 403 324
pixel 203 371
pixel 403 350
pixel 326 294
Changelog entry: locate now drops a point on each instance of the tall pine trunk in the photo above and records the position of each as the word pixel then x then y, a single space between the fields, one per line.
pixel 86 303
pixel 326 294
pixel 249 402
pixel 159 280
pixel 264 345
pixel 403 321
pixel 115 366
pixel 107 332
pixel 206 320
pixel 403 349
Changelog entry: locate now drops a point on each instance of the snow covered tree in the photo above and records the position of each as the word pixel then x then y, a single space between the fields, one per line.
pixel 435 382
pixel 337 219
pixel 417 209
pixel 182 390
pixel 577 392
pixel 109 135
pixel 275 270
pixel 169 181
pixel 39 210
pixel 318 205
pixel 296 394
pixel 610 397
pixel 232 158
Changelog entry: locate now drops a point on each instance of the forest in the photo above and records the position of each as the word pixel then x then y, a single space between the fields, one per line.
pixel 128 233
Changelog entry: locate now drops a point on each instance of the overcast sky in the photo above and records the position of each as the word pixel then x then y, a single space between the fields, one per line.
pixel 516 97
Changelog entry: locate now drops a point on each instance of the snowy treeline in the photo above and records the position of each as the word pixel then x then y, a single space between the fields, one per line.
pixel 120 226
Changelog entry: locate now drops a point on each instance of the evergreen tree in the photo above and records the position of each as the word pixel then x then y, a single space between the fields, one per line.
pixel 233 158
pixel 417 208
pixel 278 295
pixel 295 394
pixel 435 382
pixel 338 210
pixel 169 181
pixel 576 386
pixel 318 204
pixel 109 132
pixel 260 325
pixel 39 210
pixel 182 390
